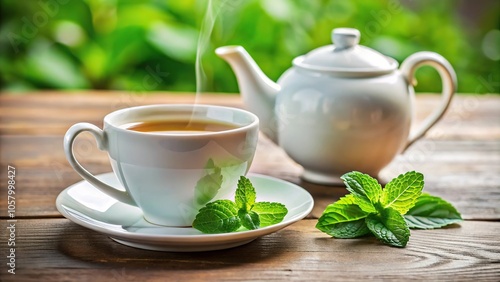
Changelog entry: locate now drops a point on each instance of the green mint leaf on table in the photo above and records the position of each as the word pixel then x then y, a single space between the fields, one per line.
pixel 402 192
pixel 220 216
pixel 270 213
pixel 387 213
pixel 343 219
pixel 245 194
pixel 346 230
pixel 390 227
pixel 224 216
pixel 366 190
pixel 431 212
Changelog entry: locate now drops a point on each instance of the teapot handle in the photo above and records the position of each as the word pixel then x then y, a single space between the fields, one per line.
pixel 449 81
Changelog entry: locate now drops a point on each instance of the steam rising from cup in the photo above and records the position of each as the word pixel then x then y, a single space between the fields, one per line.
pixel 214 8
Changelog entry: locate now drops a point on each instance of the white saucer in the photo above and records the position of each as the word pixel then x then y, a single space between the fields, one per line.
pixel 83 204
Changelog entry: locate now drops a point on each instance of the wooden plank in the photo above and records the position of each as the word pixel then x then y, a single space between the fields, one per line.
pixel 469 117
pixel 57 249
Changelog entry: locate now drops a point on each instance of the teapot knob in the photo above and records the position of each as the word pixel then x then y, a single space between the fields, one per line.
pixel 344 38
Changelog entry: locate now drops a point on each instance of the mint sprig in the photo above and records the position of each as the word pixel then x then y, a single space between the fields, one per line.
pixel 387 213
pixel 223 216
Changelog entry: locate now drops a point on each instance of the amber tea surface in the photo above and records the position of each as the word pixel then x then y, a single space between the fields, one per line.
pixel 179 126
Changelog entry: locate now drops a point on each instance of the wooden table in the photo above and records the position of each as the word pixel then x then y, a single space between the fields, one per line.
pixel 460 159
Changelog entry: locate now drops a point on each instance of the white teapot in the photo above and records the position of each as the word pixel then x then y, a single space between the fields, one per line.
pixel 341 107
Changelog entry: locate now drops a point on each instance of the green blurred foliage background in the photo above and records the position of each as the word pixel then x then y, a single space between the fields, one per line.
pixel 150 45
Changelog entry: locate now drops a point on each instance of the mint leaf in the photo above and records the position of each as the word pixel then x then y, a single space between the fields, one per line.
pixel 345 230
pixel 208 186
pixel 431 212
pixel 220 216
pixel 270 213
pixel 245 194
pixel 345 209
pixel 390 227
pixel 250 220
pixel 402 192
pixel 366 190
pixel 343 219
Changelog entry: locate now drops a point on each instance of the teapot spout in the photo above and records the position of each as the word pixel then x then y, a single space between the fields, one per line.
pixel 257 90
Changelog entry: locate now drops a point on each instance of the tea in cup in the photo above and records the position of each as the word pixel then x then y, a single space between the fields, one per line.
pixel 172 159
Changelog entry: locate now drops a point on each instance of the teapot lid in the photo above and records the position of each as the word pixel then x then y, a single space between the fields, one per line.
pixel 346 56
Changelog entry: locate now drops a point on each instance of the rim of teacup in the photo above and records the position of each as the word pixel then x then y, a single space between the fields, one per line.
pixel 109 119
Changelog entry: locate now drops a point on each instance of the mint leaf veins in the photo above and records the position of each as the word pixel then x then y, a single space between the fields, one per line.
pixel 344 219
pixel 402 192
pixel 270 213
pixel 223 216
pixel 431 212
pixel 365 189
pixel 389 226
pixel 245 194
pixel 218 217
pixel 387 213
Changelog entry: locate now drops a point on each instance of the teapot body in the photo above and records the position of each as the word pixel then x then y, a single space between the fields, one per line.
pixel 341 107
pixel 332 124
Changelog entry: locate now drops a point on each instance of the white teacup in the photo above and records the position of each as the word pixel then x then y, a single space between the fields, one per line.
pixel 169 175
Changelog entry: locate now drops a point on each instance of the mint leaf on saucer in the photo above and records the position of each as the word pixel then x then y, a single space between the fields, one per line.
pixel 431 212
pixel 270 213
pixel 389 227
pixel 245 194
pixel 249 220
pixel 366 189
pixel 402 192
pixel 220 216
pixel 224 216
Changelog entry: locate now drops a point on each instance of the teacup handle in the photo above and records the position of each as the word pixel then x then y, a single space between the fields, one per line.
pixel 69 139
pixel 449 82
